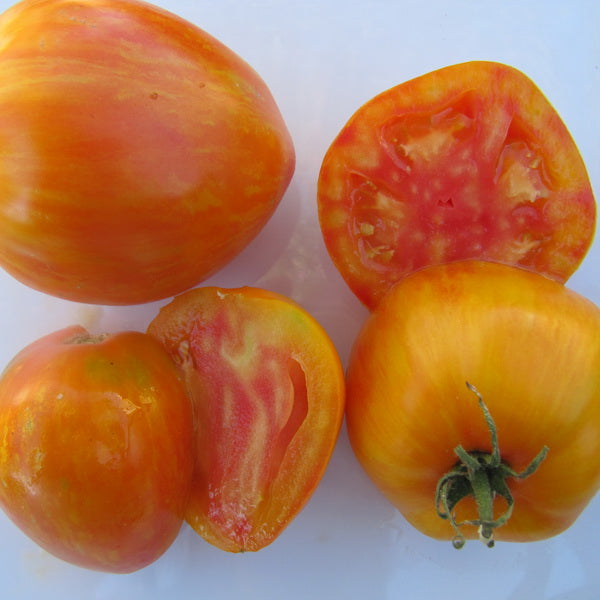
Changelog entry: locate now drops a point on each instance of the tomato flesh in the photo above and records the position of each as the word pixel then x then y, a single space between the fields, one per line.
pixel 268 392
pixel 468 162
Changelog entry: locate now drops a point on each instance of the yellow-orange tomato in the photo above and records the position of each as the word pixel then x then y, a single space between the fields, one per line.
pixel 530 347
pixel 138 153
pixel 96 437
pixel 467 162
pixel 268 391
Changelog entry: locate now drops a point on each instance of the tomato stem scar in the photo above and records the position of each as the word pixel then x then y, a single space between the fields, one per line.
pixel 84 337
pixel 483 476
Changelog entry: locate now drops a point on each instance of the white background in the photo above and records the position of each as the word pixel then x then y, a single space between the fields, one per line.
pixel 322 60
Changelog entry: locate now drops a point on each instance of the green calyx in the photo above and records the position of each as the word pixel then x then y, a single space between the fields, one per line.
pixel 483 476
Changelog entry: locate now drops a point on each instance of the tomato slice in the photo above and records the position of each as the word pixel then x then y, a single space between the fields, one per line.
pixel 467 162
pixel 268 391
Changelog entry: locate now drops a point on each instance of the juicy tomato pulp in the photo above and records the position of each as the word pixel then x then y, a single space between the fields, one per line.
pixel 268 392
pixel 470 161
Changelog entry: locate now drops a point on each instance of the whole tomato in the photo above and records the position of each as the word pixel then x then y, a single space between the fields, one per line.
pixel 95 448
pixel 467 162
pixel 139 154
pixel 268 392
pixel 456 467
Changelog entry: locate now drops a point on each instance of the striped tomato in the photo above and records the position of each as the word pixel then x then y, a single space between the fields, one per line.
pixel 474 402
pixel 139 154
pixel 268 390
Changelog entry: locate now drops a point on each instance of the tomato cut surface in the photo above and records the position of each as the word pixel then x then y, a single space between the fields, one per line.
pixel 268 390
pixel 467 162
pixel 529 345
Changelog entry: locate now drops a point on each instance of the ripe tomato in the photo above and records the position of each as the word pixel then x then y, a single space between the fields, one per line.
pixel 268 390
pixel 467 162
pixel 139 154
pixel 530 347
pixel 96 448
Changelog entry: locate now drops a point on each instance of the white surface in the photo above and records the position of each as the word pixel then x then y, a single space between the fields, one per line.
pixel 322 60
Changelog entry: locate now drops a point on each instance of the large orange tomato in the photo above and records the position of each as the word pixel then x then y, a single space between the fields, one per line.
pixel 268 391
pixel 96 447
pixel 138 154
pixel 467 162
pixel 455 467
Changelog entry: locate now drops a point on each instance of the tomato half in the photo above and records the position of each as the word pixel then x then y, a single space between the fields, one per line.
pixel 96 453
pixel 138 154
pixel 467 162
pixel 531 349
pixel 268 390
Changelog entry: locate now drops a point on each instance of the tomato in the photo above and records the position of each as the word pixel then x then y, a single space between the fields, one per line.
pixel 268 391
pixel 467 162
pixel 96 436
pixel 139 154
pixel 530 348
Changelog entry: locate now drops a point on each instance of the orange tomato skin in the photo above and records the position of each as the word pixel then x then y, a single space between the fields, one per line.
pixel 470 161
pixel 95 448
pixel 268 391
pixel 139 154
pixel 532 349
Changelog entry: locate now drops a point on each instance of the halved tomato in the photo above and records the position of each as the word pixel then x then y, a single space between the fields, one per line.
pixel 467 162
pixel 268 389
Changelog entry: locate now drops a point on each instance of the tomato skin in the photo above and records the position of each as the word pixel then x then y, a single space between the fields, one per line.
pixel 139 154
pixel 268 391
pixel 95 448
pixel 467 162
pixel 532 349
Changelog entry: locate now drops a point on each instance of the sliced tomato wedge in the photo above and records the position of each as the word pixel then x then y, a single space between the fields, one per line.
pixel 467 162
pixel 268 390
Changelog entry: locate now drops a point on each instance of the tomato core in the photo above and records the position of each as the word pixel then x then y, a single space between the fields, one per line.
pixel 441 155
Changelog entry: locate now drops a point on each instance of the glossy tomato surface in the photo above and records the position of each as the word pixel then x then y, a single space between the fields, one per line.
pixel 95 448
pixel 529 345
pixel 467 162
pixel 268 391
pixel 139 154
